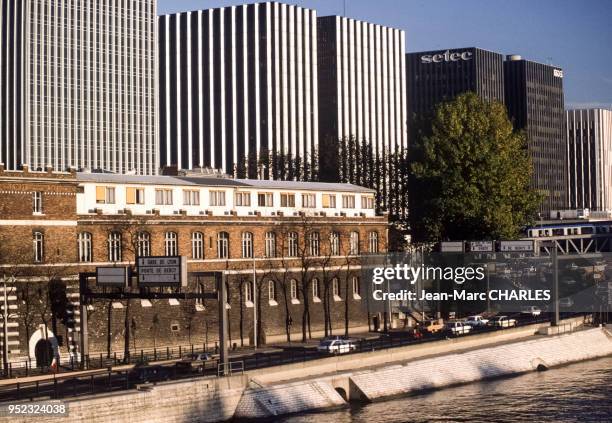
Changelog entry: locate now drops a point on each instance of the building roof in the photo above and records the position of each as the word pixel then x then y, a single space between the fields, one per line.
pixel 114 178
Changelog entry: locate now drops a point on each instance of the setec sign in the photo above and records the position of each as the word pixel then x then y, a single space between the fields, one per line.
pixel 482 246
pixel 516 246
pixel 447 56
pixel 162 271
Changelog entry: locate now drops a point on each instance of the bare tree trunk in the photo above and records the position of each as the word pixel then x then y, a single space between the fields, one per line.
pixel 109 317
pixel 126 327
pixel 346 305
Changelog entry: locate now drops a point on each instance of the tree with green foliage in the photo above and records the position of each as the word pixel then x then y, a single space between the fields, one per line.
pixel 470 174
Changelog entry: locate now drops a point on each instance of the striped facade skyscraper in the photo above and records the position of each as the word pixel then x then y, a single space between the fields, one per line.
pixel 238 87
pixel 362 83
pixel 589 158
pixel 79 85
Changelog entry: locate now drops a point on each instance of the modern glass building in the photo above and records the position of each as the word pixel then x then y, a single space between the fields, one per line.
pixel 78 85
pixel 238 87
pixel 534 99
pixel 435 76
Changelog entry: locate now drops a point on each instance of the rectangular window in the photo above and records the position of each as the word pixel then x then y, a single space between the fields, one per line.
pixel 191 197
pixel 163 197
pixel 217 198
pixel 329 201
pixel 367 202
pixel 134 195
pixel 309 200
pixel 37 202
pixel 348 201
pixel 287 200
pixel 105 195
pixel 242 199
pixel 264 199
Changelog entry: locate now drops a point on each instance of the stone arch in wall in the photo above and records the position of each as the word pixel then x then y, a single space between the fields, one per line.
pixel 41 340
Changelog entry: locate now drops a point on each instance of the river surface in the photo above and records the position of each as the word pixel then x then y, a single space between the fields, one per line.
pixel 580 392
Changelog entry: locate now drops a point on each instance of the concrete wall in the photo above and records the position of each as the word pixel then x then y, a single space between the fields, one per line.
pixel 198 400
pixel 431 373
pixel 352 362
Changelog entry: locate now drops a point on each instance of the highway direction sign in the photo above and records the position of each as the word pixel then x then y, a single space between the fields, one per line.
pixel 162 271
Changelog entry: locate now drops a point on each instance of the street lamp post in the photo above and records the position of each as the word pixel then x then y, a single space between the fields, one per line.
pixel 254 304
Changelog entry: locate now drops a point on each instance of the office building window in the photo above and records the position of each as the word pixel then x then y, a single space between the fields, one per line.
pixel 247 245
pixel 354 243
pixel 248 292
pixel 222 245
pixel 242 199
pixel 191 197
pixel 105 195
pixel 197 245
pixel 144 244
pixel 270 244
pixel 356 288
pixel 39 245
pixel 336 289
pixel 348 201
pixel 265 199
pixel 292 244
pixel 293 291
pixel 287 200
pixel 315 289
pixel 163 197
pixel 329 201
pixel 334 243
pixel 114 246
pixel 272 293
pixel 84 243
pixel 309 201
pixel 367 202
pixel 373 242
pixel 134 195
pixel 37 202
pixel 217 198
pixel 171 244
pixel 314 244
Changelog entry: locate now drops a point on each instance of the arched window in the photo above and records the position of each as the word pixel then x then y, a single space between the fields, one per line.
pixel 272 293
pixel 199 302
pixel 334 243
pixel 222 245
pixel 270 244
pixel 373 242
pixel 84 244
pixel 354 243
pixel 248 292
pixel 38 241
pixel 315 290
pixel 197 245
pixel 292 244
pixel 144 244
pixel 247 245
pixel 314 244
pixel 336 289
pixel 171 244
pixel 294 291
pixel 356 288
pixel 114 246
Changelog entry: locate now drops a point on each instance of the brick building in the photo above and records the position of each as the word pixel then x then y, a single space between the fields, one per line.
pixel 303 241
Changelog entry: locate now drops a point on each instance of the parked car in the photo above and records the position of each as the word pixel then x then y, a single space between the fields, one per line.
pixel 149 374
pixel 532 310
pixel 336 346
pixel 196 361
pixel 502 322
pixel 566 302
pixel 476 321
pixel 432 326
pixel 457 328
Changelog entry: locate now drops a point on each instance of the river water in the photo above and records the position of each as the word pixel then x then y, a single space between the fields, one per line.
pixel 579 392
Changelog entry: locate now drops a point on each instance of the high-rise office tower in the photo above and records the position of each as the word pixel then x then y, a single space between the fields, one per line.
pixel 589 158
pixel 534 99
pixel 362 83
pixel 78 85
pixel 238 87
pixel 435 76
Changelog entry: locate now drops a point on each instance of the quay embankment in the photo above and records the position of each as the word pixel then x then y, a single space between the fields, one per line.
pixel 335 381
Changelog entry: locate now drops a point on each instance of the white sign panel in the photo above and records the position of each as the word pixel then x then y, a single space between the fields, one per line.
pixel 162 271
pixel 481 246
pixel 516 246
pixel 451 247
pixel 112 276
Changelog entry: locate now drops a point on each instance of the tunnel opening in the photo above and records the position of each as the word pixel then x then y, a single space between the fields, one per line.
pixel 342 393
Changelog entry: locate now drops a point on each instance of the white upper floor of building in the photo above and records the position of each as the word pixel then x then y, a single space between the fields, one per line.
pixel 173 195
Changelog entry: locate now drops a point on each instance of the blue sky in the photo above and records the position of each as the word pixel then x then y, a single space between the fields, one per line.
pixel 573 34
